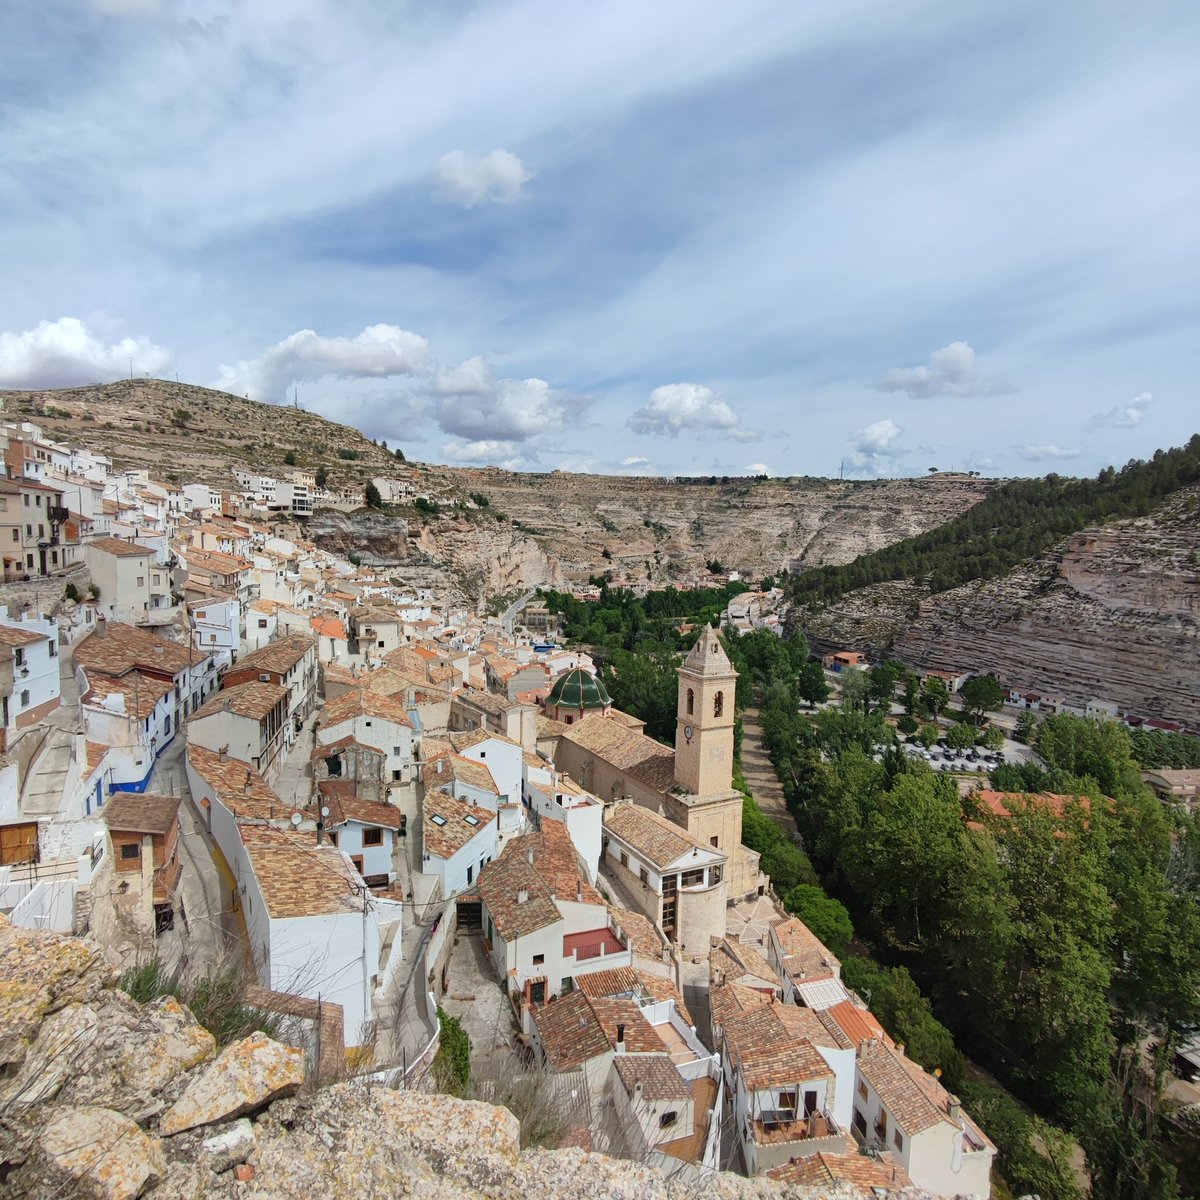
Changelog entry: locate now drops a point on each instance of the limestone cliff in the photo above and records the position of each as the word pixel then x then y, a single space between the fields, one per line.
pixel 105 1098
pixel 1112 612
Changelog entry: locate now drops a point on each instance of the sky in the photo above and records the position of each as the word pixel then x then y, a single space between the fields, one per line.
pixel 815 237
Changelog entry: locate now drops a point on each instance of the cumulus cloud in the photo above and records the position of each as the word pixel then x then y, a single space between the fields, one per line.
pixel 492 452
pixel 496 177
pixel 1124 416
pixel 378 352
pixel 69 353
pixel 877 437
pixel 685 406
pixel 635 460
pixel 951 372
pixel 469 402
pixel 759 469
pixel 1047 452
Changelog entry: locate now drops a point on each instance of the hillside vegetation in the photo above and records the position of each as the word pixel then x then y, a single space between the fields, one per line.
pixel 1020 520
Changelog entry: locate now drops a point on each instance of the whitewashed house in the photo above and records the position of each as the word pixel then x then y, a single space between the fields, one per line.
pixel 31 643
pixel 458 840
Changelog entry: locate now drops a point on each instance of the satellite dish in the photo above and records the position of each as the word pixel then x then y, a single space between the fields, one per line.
pixel 296 819
pixel 324 810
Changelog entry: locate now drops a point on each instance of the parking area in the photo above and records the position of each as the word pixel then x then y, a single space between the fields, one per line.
pixel 474 996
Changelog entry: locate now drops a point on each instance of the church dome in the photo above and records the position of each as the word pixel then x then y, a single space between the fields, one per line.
pixel 578 689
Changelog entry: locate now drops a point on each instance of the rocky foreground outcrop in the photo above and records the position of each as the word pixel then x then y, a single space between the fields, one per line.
pixel 107 1099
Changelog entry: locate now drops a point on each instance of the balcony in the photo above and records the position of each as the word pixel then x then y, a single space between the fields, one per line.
pixel 785 1125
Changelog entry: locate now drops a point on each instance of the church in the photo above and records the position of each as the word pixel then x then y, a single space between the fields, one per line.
pixel 608 753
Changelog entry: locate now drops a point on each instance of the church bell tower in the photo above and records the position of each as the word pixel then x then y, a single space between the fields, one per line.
pixel 704 726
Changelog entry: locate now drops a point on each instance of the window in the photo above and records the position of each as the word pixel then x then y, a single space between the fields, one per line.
pixel 29 561
pixel 29 531
pixel 262 623
pixel 715 841
pixel 397 775
pixel 166 725
pixel 624 859
pixel 26 499
pixel 862 1088
pixel 16 535
pixel 141 581
pixel 539 960
pixel 372 837
pixel 692 878
pixel 54 556
pixel 131 850
pixel 41 530
pixel 397 751
pixel 212 637
pixel 333 838
pixel 25 698
pixel 356 859
pixel 667 1119
pixel 471 820
pixel 860 1123
pixel 438 819
pixel 53 649
pixel 898 1140
pixel 567 986
pixel 691 702
pixel 470 874
pixel 718 704
pixel 38 500
pixel 19 656
pixel 381 644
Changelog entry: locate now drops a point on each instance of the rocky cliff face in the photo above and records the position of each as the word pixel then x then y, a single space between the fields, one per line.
pixel 106 1099
pixel 1113 612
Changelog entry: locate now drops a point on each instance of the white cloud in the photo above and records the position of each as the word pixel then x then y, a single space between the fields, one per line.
pixel 497 176
pixel 951 372
pixel 1123 416
pixel 492 452
pixel 469 402
pixel 679 406
pixel 877 437
pixel 1047 452
pixel 68 353
pixel 759 469
pixel 378 352
pixel 635 460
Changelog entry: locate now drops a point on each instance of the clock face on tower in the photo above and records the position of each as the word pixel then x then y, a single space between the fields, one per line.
pixel 687 732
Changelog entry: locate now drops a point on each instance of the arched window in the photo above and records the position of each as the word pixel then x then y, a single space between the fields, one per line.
pixel 691 702
pixel 718 704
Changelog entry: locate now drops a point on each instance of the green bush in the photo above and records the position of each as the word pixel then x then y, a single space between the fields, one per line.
pixel 826 917
pixel 452 1063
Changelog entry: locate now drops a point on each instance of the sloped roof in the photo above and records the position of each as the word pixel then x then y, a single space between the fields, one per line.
pixel 707 656
pixel 119 547
pixel 279 656
pixel 659 841
pixel 823 1169
pixel 115 648
pixel 10 635
pixel 366 812
pixel 142 692
pixel 910 1100
pixel 501 883
pixel 804 955
pixel 298 879
pixel 656 1075
pixel 253 700
pixel 577 1027
pixel 363 703
pixel 459 822
pixel 631 752
pixel 237 785
pixel 133 812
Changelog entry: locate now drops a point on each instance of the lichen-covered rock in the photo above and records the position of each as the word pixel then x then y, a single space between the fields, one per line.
pixel 139 1054
pixel 230 1146
pixel 244 1077
pixel 53 1057
pixel 39 974
pixel 94 1153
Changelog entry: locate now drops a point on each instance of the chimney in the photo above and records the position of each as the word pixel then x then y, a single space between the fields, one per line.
pixel 900 1049
pixel 955 1108
pixel 101 625
pixel 637 1093
pixel 522 896
pixel 620 1039
pixel 529 855
pixel 223 754
pixel 579 890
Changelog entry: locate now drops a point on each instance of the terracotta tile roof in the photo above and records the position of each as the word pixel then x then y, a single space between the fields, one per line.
pixel 96 752
pixel 252 700
pixel 362 703
pixel 659 841
pixel 270 607
pixel 488 702
pixel 547 727
pixel 730 1000
pixel 238 786
pixel 134 812
pixel 142 692
pixel 912 1097
pixel 118 648
pixel 803 955
pixel 767 1054
pixel 858 1024
pixel 631 752
pixel 821 1170
pixel 215 561
pixel 449 824
pixel 501 883
pixel 10 635
pixel 1001 804
pixel 464 741
pixel 657 1075
pixel 577 1027
pixel 330 627
pixel 626 981
pixel 366 812
pixel 301 880
pixel 453 767
pixel 375 614
pixel 279 656
pixel 735 961
pixel 387 681
pixel 119 547
pixel 641 933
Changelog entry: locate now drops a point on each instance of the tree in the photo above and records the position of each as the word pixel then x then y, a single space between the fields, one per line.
pixel 856 689
pixel 398 454
pixel 993 738
pixel 828 919
pixel 981 694
pixel 927 735
pixel 321 476
pixel 936 695
pixel 908 724
pixel 961 736
pixel 1026 726
pixel 811 685
pixel 180 418
pixel 372 497
pixel 290 458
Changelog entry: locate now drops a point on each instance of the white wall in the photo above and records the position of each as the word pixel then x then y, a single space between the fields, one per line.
pixel 377 860
pixel 453 871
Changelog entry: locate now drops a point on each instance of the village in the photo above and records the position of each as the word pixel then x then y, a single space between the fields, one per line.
pixel 222 744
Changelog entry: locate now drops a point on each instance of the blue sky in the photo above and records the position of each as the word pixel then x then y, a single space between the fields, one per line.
pixel 663 238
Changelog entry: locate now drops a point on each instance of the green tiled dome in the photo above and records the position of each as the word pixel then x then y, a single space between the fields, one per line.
pixel 577 688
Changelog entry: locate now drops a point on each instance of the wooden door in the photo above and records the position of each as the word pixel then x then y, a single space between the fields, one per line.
pixel 18 843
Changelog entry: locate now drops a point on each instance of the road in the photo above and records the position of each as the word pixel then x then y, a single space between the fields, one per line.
pixel 760 775
pixel 510 613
